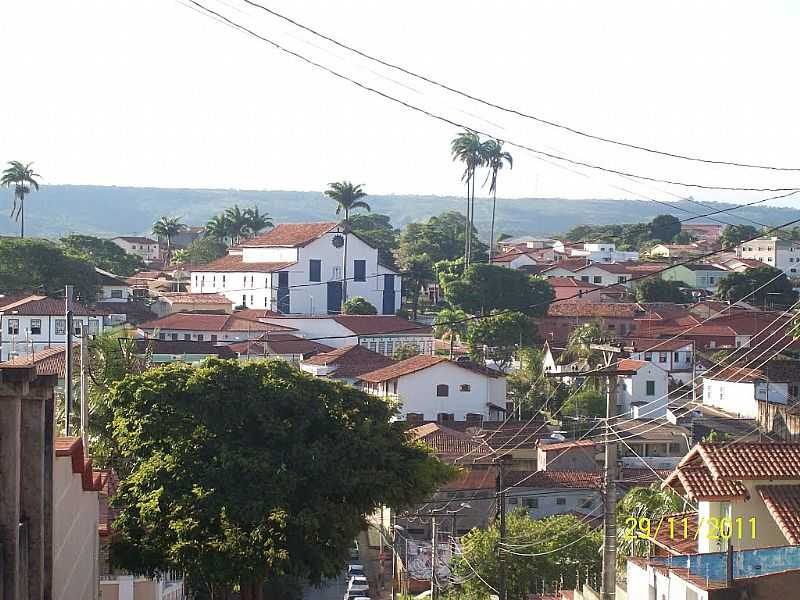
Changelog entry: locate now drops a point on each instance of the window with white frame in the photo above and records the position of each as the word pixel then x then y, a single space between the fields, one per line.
pixel 61 326
pixel 13 327
pixel 36 326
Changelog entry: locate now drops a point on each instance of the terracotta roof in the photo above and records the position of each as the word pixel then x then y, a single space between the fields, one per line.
pixel 233 263
pixel 279 343
pixel 646 267
pixel 188 297
pixel 472 479
pixel 512 254
pixel 783 503
pixel 570 264
pixel 593 309
pixel 700 485
pixel 517 435
pixel 418 363
pixel 44 305
pixel 679 543
pixel 134 239
pixel 566 445
pixel 350 361
pixel 49 361
pixel 447 442
pixel 554 479
pixel 256 313
pixel 184 347
pixel 776 371
pixel 72 448
pixel 615 268
pixel 210 322
pixel 378 324
pixel 630 364
pixel 290 234
pixel 570 282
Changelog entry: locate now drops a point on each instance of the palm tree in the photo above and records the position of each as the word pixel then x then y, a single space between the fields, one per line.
pixel 180 257
pixel 256 222
pixel 450 322
pixel 237 224
pixel 23 178
pixel 467 148
pixel 348 197
pixel 651 502
pixel 494 157
pixel 218 227
pixel 168 227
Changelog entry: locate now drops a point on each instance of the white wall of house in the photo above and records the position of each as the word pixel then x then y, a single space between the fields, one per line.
pixel 147 252
pixel 604 252
pixel 518 261
pixel 646 582
pixel 678 364
pixel 114 293
pixel 554 501
pixel 75 539
pixel 467 392
pixel 202 336
pixel 17 332
pixel 306 296
pixel 781 254
pixel 597 275
pixel 649 384
pixel 739 397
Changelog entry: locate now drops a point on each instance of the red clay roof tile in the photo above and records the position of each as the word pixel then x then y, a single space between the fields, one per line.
pixel 290 234
pixel 233 263
pixel 783 503
pixel 350 361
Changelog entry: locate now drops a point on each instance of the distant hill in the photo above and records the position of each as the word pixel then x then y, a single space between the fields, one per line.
pixel 105 211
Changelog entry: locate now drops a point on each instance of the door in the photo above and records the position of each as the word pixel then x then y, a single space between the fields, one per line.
pixel 388 295
pixel 334 297
pixel 283 292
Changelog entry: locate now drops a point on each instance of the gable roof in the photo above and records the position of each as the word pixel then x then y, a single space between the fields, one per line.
pixel 184 347
pixel 595 309
pixel 108 278
pixel 570 264
pixel 44 305
pixel 655 344
pixel 210 322
pixel 566 445
pixel 233 263
pixel 192 298
pixel 584 480
pixel 292 235
pixel 279 343
pixel 631 364
pixel 447 442
pixel 350 361
pixel 377 324
pixel 419 363
pixel 783 503
pixel 49 361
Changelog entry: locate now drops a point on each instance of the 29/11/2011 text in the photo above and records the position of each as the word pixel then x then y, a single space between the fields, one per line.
pixel 723 528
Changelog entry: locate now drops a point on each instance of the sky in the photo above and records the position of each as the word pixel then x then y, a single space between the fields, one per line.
pixel 153 93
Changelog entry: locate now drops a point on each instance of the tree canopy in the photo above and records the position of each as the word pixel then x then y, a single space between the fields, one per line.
pixel 654 289
pixel 242 473
pixel 377 231
pixel 665 228
pixel 358 305
pixel 485 288
pixel 499 336
pixel 205 249
pixel 733 235
pixel 585 403
pixel 441 238
pixel 103 254
pixel 738 286
pixel 44 268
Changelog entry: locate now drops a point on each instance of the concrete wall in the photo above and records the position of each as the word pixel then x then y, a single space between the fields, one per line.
pixel 734 397
pixel 584 501
pixel 634 388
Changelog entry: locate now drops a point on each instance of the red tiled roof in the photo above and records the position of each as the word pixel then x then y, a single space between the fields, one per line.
pixel 516 435
pixel 569 282
pixel 566 445
pixel 256 313
pixel 184 347
pixel 189 297
pixel 554 479
pixel 377 324
pixel 211 322
pixel 630 364
pixel 593 309
pixel 753 461
pixel 233 263
pixel 44 305
pixel 783 503
pixel 700 485
pixel 418 363
pixel 279 343
pixel 133 239
pixel 72 447
pixel 683 542
pixel 290 234
pixel 49 361
pixel 447 442
pixel 351 361
pixel 472 479
pixel 615 268
pixel 570 264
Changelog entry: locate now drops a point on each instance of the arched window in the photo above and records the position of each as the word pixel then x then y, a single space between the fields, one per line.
pixel 442 390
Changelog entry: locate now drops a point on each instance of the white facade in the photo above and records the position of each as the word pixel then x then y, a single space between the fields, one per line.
pixel 311 283
pixel 741 397
pixel 114 293
pixel 644 581
pixel 781 254
pixel 679 364
pixel 554 501
pixel 598 252
pixel 146 248
pixel 19 334
pixel 443 389
pixel 597 275
pixel 650 384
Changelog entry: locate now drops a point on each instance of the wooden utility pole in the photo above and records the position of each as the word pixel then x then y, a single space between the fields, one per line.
pixel 433 557
pixel 68 343
pixel 501 501
pixel 84 384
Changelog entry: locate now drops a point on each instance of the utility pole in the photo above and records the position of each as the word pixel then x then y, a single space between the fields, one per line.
pixel 68 374
pixel 84 384
pixel 608 590
pixel 501 498
pixel 433 557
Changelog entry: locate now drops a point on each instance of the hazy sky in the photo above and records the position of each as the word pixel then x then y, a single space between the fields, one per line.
pixel 151 93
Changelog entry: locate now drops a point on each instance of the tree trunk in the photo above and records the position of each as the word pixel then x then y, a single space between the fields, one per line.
pixel 466 230
pixel 415 302
pixel 344 261
pixel 22 216
pixel 472 215
pixel 452 342
pixel 491 238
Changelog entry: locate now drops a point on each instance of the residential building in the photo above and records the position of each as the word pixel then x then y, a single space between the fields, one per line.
pixel 739 389
pixel 756 484
pixel 704 276
pixel 675 356
pixel 184 238
pixel 38 322
pixel 567 267
pixel 740 265
pixel 206 327
pixel 676 251
pixel 346 364
pixel 597 251
pixel 143 247
pixel 172 302
pixel 432 388
pixel 526 242
pixel 281 346
pixel 112 288
pixel 619 319
pixel 579 455
pixel 547 493
pixel 651 443
pixel 146 283
pixel 775 252
pixel 169 351
pixel 296 268
pixel 383 334
pixel 605 274
pixel 514 259
pixel 644 391
pixel 569 289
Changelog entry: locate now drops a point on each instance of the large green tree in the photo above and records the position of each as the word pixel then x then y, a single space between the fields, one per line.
pixel 358 305
pixel 467 148
pixel 441 237
pixel 665 228
pixel 22 178
pixel 377 231
pixel 102 253
pixel 167 228
pixel 498 337
pixel 417 274
pixel 766 286
pixel 551 549
pixel 42 267
pixel 649 503
pixel 654 289
pixel 246 473
pixel 205 249
pixel 450 323
pixel 485 288
pixel 733 235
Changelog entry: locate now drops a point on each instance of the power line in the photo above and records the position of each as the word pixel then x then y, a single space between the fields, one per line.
pixel 460 125
pixel 512 110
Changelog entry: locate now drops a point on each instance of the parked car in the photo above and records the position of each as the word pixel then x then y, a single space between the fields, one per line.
pixel 354 569
pixel 358 583
pixel 354 549
pixel 356 596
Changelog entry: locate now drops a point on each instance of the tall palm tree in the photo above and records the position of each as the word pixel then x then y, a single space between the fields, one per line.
pixel 168 227
pixel 452 323
pixel 495 157
pixel 23 178
pixel 256 222
pixel 348 197
pixel 218 227
pixel 467 148
pixel 237 223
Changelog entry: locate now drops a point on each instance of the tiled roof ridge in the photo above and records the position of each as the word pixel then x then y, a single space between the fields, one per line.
pixel 72 448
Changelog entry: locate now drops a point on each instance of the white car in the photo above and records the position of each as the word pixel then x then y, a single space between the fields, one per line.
pixel 354 549
pixel 358 583
pixel 354 569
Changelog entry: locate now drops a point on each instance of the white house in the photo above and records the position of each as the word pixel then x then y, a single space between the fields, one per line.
pixel 38 322
pixel 781 254
pixel 112 288
pixel 597 251
pixel 206 327
pixel 346 364
pixel 547 493
pixel 604 274
pixel 380 333
pixel 648 385
pixel 514 259
pixel 432 388
pixel 171 302
pixel 143 247
pixel 738 389
pixel 296 268
pixel 675 356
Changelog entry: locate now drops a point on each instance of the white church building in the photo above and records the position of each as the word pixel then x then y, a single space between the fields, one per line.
pixel 296 268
